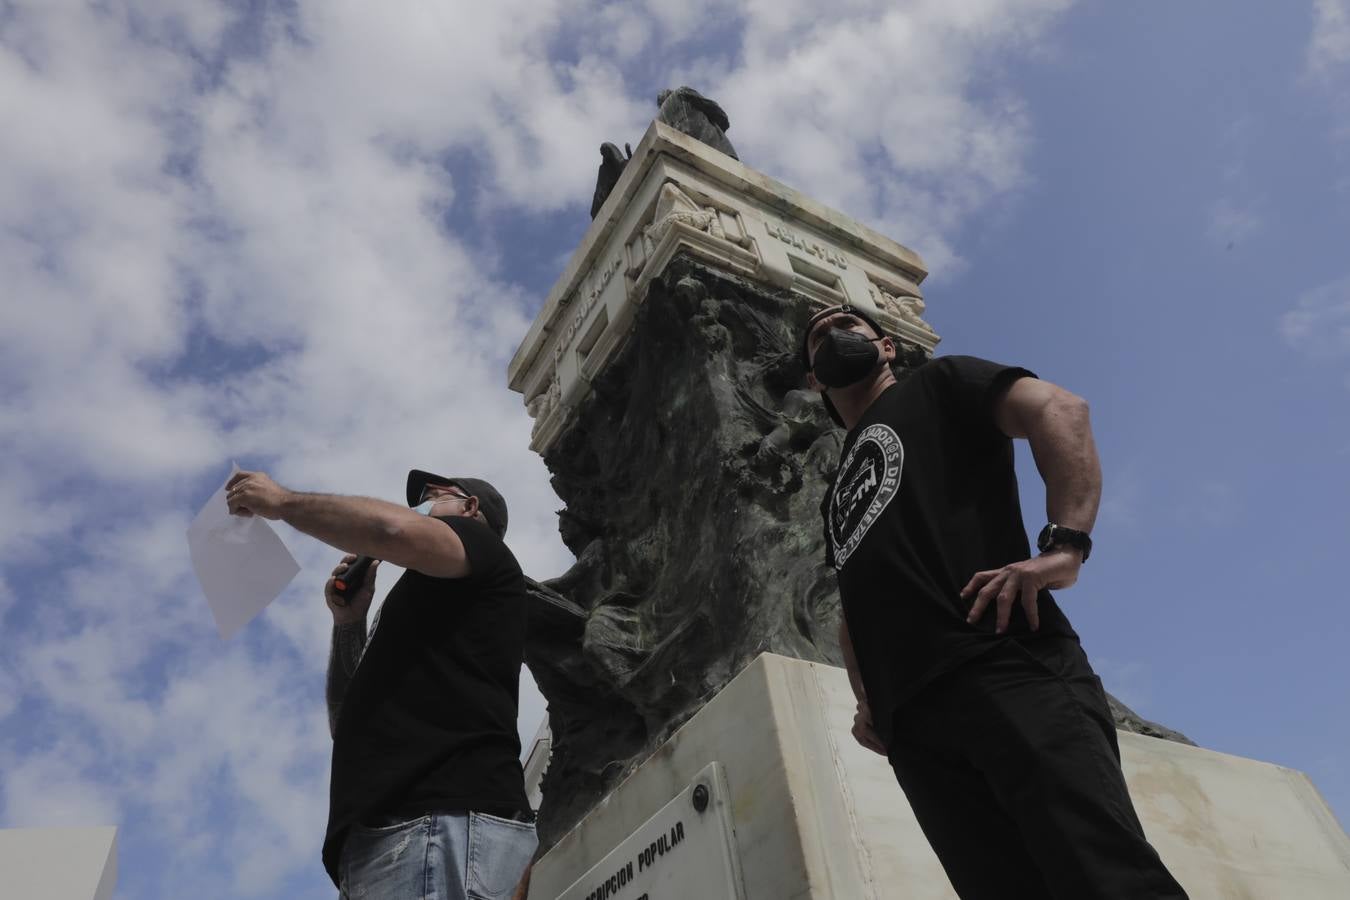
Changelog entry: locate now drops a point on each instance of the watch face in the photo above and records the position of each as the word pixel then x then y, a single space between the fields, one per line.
pixel 1043 541
pixel 1056 535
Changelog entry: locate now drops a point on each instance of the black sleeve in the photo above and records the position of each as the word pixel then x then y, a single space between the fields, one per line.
pixel 968 387
pixel 488 557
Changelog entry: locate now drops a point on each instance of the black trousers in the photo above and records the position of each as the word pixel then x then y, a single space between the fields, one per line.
pixel 1012 767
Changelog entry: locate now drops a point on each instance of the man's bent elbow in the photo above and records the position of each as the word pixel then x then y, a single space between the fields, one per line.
pixel 1066 407
pixel 1080 406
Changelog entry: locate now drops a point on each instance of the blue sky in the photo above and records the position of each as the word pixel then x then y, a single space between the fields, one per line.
pixel 230 231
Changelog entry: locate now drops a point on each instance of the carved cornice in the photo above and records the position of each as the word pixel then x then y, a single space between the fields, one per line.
pixel 677 196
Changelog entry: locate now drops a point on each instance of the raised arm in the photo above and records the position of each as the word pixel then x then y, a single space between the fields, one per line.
pixel 359 525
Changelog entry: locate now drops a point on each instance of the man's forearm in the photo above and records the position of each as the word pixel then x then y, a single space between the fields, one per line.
pixel 1066 456
pixel 349 639
pixel 360 525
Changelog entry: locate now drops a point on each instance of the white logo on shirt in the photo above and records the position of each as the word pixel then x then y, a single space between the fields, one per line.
pixel 866 483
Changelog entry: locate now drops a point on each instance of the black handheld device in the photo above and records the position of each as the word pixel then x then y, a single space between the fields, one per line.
pixel 351 580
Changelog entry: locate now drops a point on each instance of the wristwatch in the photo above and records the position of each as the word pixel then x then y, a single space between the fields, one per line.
pixel 1053 535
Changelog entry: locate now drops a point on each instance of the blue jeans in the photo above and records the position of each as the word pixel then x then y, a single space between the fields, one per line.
pixel 464 856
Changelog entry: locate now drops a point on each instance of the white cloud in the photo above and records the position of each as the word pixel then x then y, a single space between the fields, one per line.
pixel 890 112
pixel 51 789
pixel 1329 48
pixel 1327 59
pixel 1319 324
pixel 1235 216
pixel 11 689
pixel 227 238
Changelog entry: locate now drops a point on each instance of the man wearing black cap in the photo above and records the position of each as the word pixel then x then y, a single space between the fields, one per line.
pixel 427 794
pixel 968 676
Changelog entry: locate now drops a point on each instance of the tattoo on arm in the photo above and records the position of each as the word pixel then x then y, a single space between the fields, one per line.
pixel 349 639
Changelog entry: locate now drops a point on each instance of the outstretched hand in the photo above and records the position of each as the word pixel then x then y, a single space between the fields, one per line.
pixel 1021 582
pixel 254 494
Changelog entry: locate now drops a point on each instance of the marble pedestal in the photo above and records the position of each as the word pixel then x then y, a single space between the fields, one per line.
pixel 764 795
pixel 58 863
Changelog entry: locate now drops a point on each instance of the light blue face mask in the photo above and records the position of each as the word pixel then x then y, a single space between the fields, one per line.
pixel 425 506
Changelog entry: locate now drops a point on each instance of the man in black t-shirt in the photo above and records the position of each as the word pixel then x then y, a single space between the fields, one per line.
pixel 968 676
pixel 427 793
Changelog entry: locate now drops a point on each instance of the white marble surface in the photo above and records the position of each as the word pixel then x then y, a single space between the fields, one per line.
pixel 817 816
pixel 58 863
pixel 684 850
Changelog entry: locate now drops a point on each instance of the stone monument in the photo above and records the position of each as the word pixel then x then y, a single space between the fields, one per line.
pixel 668 403
pixel 764 795
pixel 669 406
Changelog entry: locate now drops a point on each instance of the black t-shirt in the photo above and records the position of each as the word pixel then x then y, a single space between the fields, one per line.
pixel 926 496
pixel 428 723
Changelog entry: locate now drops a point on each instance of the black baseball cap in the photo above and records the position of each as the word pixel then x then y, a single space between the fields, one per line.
pixel 490 502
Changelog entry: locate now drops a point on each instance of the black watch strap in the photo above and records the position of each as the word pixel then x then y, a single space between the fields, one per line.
pixel 1053 535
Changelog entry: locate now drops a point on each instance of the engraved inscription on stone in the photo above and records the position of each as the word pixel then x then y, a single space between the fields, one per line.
pixel 820 251
pixel 592 297
pixel 683 851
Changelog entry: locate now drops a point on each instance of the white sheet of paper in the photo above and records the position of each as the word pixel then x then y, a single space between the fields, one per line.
pixel 241 563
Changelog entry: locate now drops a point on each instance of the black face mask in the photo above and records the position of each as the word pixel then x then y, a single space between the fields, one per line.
pixel 845 357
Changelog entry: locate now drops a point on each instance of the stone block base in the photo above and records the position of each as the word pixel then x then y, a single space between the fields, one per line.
pixel 764 795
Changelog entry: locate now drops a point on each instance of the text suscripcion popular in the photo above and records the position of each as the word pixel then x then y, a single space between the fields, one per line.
pixel 646 859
